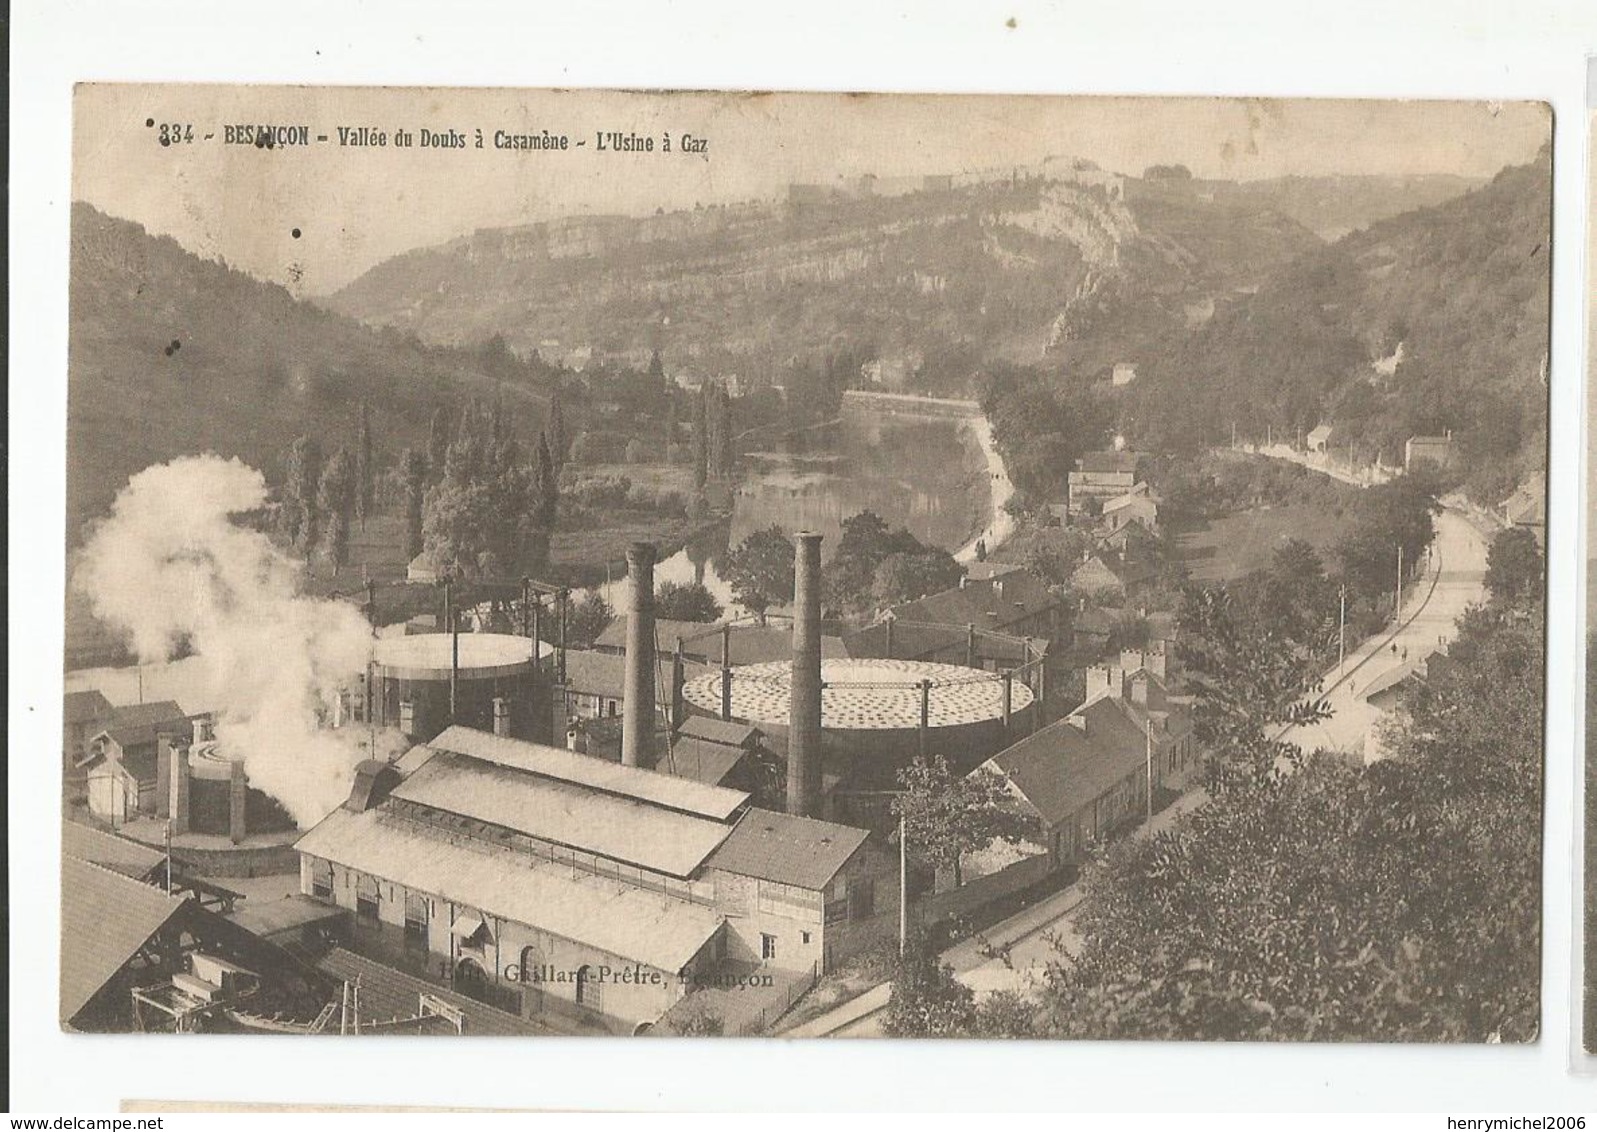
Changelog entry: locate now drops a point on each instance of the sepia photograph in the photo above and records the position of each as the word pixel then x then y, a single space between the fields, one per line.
pixel 655 563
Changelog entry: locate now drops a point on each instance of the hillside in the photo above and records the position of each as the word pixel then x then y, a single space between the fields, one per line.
pixel 1333 206
pixel 929 284
pixel 1430 321
pixel 174 354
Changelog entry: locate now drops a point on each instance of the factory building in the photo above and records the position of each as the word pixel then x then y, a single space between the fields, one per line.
pixel 558 885
pixel 119 761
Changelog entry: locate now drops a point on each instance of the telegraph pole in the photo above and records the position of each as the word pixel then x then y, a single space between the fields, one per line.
pixel 1148 732
pixel 1397 602
pixel 1341 629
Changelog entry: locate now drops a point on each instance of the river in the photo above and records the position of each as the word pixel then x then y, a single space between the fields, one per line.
pixel 939 477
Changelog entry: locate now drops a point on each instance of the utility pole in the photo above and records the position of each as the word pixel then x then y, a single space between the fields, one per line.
pixel 903 889
pixel 167 838
pixel 1341 629
pixel 1397 602
pixel 1148 732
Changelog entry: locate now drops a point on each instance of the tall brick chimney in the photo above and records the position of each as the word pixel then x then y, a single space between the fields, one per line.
pixel 804 702
pixel 637 709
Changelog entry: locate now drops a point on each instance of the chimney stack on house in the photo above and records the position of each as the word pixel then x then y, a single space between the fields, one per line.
pixel 637 709
pixel 804 704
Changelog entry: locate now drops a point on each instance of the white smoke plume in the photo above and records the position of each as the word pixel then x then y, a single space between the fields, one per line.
pixel 170 564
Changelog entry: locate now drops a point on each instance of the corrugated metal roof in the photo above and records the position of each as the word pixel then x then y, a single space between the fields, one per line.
pixel 596 774
pixel 701 760
pixel 719 731
pixel 611 915
pixel 803 852
pixel 105 919
pixel 119 854
pixel 566 813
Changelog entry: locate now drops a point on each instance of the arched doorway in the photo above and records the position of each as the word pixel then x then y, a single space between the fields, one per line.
pixel 589 991
pixel 471 980
pixel 532 979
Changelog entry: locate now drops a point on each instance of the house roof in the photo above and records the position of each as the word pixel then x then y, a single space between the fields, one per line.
pixel 605 674
pixel 291 913
pixel 1095 573
pixel 1097 620
pixel 1062 768
pixel 119 854
pixel 749 644
pixel 1319 433
pixel 803 852
pixel 1141 500
pixel 984 571
pixel 723 731
pixel 1108 462
pixel 388 993
pixel 701 760
pixel 137 725
pixel 105 918
pixel 84 707
pixel 615 916
pixel 991 603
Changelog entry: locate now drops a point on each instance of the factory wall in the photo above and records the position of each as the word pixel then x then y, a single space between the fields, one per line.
pixel 530 713
pixel 613 998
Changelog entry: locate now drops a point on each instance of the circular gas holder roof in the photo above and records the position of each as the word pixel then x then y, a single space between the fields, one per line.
pixel 865 695
pixel 427 656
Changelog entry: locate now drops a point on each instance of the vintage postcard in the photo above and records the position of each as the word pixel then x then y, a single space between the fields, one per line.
pixel 621 563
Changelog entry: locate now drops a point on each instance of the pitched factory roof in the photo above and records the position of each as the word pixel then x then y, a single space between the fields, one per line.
pixel 803 852
pixel 84 707
pixel 612 915
pixel 701 760
pixel 1063 768
pixel 119 854
pixel 387 993
pixel 720 731
pixel 595 774
pixel 105 919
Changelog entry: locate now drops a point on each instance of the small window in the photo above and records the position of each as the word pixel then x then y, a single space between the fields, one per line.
pixel 322 879
pixel 767 946
pixel 416 921
pixel 805 936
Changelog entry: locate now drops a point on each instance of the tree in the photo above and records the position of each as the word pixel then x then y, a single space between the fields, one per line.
pixel 926 1000
pixel 701 441
pixel 335 500
pixel 866 542
pixel 909 577
pixel 1250 683
pixel 586 619
pixel 1395 902
pixel 946 817
pixel 481 516
pixel 1054 554
pixel 302 475
pixel 760 571
pixel 555 430
pixel 686 601
pixel 438 440
pixel 413 480
pixel 657 369
pixel 545 486
pixel 1389 516
pixel 365 473
pixel 1514 569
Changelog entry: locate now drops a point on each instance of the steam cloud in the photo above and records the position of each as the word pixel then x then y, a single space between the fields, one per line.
pixel 170 564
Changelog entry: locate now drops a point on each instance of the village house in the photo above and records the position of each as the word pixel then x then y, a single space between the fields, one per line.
pixel 551 883
pixel 1437 450
pixel 83 716
pixel 1319 437
pixel 1527 509
pixel 120 762
pixel 1136 506
pixel 1100 476
pixel 1093 773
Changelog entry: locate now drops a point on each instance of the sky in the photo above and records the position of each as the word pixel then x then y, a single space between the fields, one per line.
pixel 316 217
